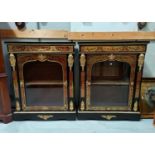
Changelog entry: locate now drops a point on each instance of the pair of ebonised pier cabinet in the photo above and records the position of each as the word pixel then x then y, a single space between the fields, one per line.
pixel 102 80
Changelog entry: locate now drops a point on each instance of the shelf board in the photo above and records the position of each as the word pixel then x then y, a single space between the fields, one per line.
pixel 35 83
pixel 114 82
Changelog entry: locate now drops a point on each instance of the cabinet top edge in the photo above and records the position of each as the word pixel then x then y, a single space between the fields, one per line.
pixel 41 43
pixel 101 43
pixel 22 47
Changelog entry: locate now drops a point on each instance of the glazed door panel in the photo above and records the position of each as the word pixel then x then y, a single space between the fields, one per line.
pixel 43 81
pixel 110 82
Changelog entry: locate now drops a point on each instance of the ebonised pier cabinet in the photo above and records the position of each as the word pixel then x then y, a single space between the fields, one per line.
pixel 110 79
pixel 43 80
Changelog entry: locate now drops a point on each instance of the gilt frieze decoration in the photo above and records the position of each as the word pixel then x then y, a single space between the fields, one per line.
pixel 100 48
pixel 39 48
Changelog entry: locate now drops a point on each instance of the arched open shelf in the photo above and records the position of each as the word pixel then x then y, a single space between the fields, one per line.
pixel 43 83
pixel 110 83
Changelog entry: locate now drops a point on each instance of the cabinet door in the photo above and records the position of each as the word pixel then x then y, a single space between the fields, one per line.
pixel 110 82
pixel 43 81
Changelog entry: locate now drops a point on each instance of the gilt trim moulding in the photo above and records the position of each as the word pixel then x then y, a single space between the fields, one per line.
pixel 111 36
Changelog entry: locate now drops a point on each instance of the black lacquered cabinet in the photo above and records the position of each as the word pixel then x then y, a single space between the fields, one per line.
pixel 43 80
pixel 110 80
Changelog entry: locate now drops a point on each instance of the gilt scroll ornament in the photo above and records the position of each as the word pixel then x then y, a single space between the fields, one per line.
pixel 70 61
pixel 65 83
pixel 17 106
pixel 135 107
pixel 71 106
pixel 82 61
pixel 108 117
pixel 13 61
pixel 42 57
pixel 82 106
pixel 45 117
pixel 140 61
pixel 111 57
pixel 22 83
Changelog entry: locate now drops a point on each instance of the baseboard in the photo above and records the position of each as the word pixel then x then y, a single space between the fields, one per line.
pixel 108 115
pixel 81 115
pixel 44 116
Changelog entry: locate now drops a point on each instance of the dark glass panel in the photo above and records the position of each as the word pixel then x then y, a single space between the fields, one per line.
pixel 43 83
pixel 109 95
pixel 110 84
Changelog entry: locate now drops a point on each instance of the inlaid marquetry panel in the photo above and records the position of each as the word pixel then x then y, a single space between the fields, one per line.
pixel 108 48
pixel 16 48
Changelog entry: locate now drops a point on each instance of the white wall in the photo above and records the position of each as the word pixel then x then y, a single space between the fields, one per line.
pixel 103 26
pixel 55 25
pixel 149 64
pixel 11 25
pixel 38 25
